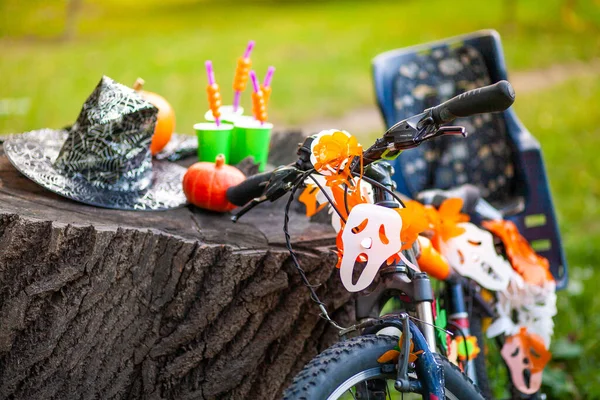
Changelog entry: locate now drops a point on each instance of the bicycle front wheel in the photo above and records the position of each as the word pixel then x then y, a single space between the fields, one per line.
pixel 349 369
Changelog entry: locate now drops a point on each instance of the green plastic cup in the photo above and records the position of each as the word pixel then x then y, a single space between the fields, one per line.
pixel 213 140
pixel 227 114
pixel 250 138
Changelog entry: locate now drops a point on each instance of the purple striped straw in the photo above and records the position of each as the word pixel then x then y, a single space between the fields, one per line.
pixel 269 77
pixel 237 95
pixel 211 81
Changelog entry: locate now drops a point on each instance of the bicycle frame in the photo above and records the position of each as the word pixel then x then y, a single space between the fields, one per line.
pixel 401 281
pixel 399 278
pixel 337 152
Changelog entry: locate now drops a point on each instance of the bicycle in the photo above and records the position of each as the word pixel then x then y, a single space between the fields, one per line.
pixel 370 234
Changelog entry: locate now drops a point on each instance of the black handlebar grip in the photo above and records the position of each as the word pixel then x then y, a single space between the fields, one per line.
pixel 492 98
pixel 249 189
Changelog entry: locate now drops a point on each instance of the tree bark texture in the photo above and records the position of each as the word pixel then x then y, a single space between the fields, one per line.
pixel 182 304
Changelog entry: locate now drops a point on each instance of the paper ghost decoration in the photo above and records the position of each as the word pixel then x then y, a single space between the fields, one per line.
pixel 525 305
pixel 372 232
pixel 526 356
pixel 473 255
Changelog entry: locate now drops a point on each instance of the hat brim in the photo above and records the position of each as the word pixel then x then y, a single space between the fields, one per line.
pixel 33 154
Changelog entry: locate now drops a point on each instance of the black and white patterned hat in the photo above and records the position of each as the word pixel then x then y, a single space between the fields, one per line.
pixel 104 158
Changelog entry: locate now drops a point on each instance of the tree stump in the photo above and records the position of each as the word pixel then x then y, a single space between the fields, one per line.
pixel 179 304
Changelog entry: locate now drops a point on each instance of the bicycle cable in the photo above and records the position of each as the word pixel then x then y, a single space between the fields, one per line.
pixel 327 197
pixel 379 185
pixel 313 295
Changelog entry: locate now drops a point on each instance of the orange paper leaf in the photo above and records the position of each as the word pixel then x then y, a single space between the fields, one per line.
pixel 309 199
pixel 450 216
pixel 414 221
pixel 534 268
pixel 390 355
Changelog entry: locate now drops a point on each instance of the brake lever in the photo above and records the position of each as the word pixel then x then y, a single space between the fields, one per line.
pixel 452 130
pixel 432 131
pixel 248 207
pixel 282 180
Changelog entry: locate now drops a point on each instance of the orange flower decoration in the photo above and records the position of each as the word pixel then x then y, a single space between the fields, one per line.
pixel 414 221
pixel 450 217
pixel 469 348
pixel 334 151
pixel 534 268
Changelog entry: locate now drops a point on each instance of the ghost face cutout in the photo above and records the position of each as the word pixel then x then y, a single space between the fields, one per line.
pixel 372 232
pixel 526 356
pixel 525 305
pixel 473 255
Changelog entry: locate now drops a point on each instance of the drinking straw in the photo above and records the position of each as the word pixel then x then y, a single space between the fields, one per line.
pixel 258 102
pixel 215 89
pixel 269 76
pixel 249 49
pixel 266 87
pixel 239 82
pixel 255 84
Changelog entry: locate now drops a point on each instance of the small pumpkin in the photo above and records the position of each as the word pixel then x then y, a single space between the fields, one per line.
pixel 165 119
pixel 205 184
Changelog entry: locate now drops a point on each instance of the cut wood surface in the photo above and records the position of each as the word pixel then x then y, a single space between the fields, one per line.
pixel 179 304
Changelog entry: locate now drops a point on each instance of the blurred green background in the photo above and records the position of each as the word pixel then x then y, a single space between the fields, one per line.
pixel 53 52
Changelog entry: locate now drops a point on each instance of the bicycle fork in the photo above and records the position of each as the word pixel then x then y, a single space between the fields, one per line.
pixel 394 279
pixel 398 278
pixel 417 287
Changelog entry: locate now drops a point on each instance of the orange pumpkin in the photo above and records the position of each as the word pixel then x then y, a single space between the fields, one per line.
pixel 165 119
pixel 205 184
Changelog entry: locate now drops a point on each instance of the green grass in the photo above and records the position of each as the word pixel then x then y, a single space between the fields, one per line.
pixel 322 49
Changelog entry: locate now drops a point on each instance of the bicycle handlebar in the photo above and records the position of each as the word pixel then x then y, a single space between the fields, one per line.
pixel 249 189
pixel 404 135
pixel 492 98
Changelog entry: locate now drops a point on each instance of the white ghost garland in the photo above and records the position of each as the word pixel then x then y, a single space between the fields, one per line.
pixel 525 305
pixel 473 255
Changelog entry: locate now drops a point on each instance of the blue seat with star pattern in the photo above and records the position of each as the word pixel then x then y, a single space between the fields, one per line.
pixel 499 156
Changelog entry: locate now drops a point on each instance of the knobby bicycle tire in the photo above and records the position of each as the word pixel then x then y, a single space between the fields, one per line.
pixel 330 369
